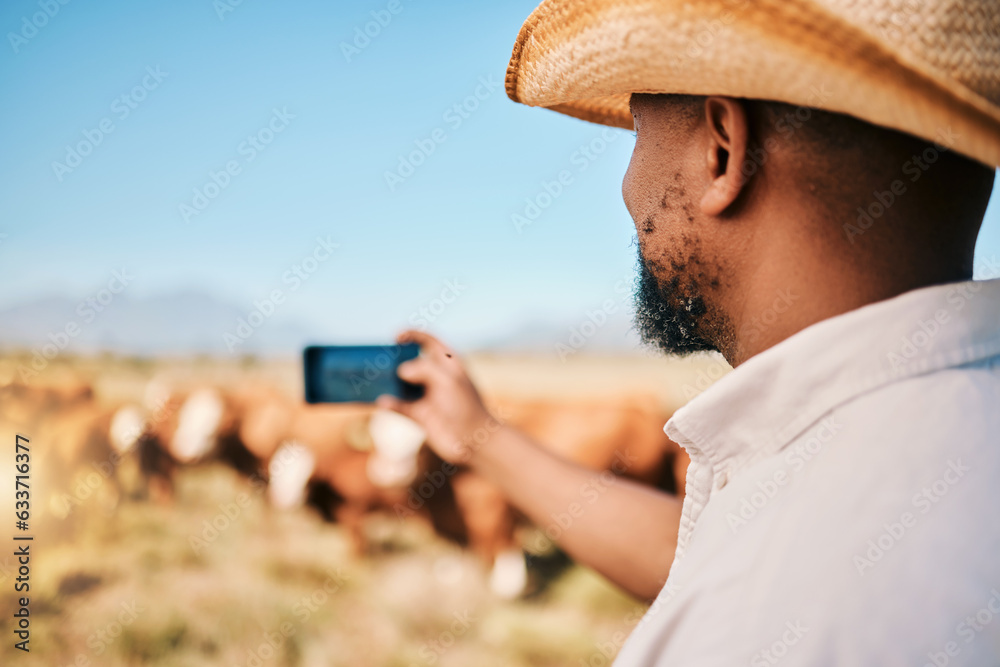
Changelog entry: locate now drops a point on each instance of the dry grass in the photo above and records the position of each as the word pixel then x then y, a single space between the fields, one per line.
pixel 220 606
pixel 124 586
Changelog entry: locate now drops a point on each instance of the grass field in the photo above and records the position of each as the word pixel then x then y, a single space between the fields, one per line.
pixel 128 584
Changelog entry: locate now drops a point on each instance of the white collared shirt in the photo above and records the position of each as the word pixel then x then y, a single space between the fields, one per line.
pixel 843 499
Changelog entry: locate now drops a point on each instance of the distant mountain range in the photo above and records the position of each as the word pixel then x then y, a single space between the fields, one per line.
pixel 181 323
pixel 616 335
pixel 197 323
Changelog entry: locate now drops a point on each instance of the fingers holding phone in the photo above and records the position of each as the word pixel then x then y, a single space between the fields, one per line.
pixel 450 409
pixel 419 377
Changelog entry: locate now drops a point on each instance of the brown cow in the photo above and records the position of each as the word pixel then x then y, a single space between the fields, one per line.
pixel 327 458
pixel 183 428
pixel 71 458
pixel 624 436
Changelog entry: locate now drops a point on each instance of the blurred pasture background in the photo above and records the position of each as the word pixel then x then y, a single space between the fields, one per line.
pixel 194 190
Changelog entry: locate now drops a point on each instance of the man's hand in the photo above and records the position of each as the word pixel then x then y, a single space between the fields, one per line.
pixel 629 535
pixel 451 410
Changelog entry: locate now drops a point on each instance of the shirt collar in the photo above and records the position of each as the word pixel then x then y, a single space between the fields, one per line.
pixel 767 401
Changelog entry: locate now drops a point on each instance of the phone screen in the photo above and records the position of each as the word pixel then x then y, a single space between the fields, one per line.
pixel 357 373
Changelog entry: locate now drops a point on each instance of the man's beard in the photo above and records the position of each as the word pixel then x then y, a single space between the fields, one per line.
pixel 670 315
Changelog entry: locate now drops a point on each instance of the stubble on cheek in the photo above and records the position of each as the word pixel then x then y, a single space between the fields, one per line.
pixel 688 281
pixel 671 246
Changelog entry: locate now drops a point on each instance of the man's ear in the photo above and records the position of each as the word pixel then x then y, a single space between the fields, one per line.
pixel 728 134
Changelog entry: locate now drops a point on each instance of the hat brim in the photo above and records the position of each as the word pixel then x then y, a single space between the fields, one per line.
pixel 585 58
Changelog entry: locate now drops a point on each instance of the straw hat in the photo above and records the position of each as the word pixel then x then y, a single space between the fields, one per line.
pixel 927 67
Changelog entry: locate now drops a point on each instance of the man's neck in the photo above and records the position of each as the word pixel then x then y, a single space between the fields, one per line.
pixel 797 285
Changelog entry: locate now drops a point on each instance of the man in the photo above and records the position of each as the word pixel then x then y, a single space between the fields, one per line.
pixel 807 185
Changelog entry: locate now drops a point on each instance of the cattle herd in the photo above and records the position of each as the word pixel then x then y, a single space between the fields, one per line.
pixel 346 461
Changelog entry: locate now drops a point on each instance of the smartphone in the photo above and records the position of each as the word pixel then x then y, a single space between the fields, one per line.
pixel 357 373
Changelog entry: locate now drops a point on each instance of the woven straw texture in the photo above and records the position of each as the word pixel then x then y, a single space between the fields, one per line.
pixel 927 67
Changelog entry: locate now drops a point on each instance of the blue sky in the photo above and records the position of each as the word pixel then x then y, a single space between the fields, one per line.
pixel 344 121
